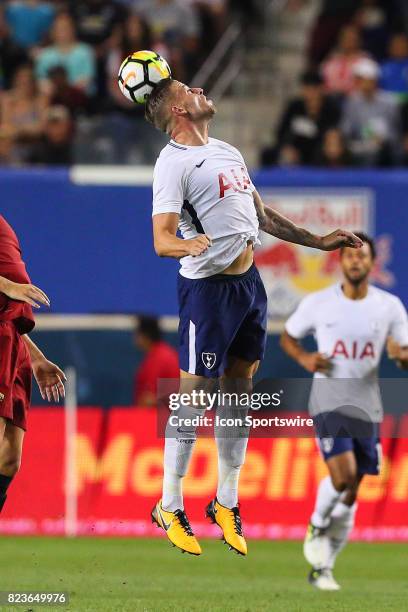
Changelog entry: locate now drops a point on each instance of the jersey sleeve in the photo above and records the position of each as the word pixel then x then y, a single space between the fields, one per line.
pixel 302 322
pixel 168 187
pixel 399 323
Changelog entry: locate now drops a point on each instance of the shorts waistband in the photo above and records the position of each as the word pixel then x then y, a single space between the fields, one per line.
pixel 231 277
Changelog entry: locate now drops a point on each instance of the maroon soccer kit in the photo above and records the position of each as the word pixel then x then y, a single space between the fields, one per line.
pixel 16 319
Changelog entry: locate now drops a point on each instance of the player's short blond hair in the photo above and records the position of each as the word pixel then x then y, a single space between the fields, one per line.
pixel 158 107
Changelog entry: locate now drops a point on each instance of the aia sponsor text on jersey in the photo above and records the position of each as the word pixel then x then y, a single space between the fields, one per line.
pixel 353 350
pixel 235 179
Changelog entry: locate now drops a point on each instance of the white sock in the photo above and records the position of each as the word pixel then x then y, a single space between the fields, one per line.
pixel 231 442
pixel 231 456
pixel 327 498
pixel 341 525
pixel 178 449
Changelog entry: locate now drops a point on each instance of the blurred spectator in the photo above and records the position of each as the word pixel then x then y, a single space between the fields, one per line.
pixel 334 14
pixel 394 71
pixel 337 71
pixel 22 111
pixel 11 55
pixel 175 30
pixel 213 17
pixel 303 124
pixel 124 126
pixel 64 94
pixel 126 38
pixel 77 48
pixel 371 119
pixel 29 21
pixel 95 19
pixel 160 361
pixel 55 146
pixel 170 20
pixel 248 12
pixel 8 155
pixel 401 9
pixel 333 153
pixel 77 58
pixel 371 19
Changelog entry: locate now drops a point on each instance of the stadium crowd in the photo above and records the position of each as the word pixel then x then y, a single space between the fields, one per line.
pixel 59 61
pixel 352 107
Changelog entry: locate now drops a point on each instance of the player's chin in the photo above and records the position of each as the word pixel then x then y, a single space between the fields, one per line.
pixel 356 276
pixel 212 109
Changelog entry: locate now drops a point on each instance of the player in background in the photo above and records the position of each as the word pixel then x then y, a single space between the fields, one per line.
pixel 20 357
pixel 351 322
pixel 202 187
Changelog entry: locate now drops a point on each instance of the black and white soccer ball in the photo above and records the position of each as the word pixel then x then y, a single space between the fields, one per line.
pixel 140 72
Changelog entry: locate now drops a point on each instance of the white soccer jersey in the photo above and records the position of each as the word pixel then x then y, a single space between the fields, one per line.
pixel 352 333
pixel 209 186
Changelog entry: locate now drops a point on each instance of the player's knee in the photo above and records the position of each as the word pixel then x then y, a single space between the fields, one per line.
pixel 10 465
pixel 344 481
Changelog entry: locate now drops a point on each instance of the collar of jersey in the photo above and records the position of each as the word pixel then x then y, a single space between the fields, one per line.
pixel 344 297
pixel 183 147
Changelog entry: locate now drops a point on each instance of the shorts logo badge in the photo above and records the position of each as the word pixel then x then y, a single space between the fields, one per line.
pixel 327 444
pixel 2 396
pixel 209 360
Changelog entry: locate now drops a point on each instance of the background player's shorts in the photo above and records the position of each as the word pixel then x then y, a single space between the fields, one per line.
pixel 336 435
pixel 15 375
pixel 221 315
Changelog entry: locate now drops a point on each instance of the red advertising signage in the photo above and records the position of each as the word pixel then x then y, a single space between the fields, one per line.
pixel 119 472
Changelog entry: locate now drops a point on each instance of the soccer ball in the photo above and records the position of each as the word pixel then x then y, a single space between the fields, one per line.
pixel 140 72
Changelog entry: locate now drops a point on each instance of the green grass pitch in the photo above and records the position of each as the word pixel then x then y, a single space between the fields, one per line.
pixel 149 575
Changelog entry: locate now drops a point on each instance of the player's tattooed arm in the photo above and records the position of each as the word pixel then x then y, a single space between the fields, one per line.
pixel 50 378
pixel 272 222
pixel 23 292
pixel 168 244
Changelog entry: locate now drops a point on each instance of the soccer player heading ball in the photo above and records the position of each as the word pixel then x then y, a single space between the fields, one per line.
pixel 202 187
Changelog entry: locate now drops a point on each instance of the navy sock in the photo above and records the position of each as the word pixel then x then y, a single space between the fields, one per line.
pixel 4 485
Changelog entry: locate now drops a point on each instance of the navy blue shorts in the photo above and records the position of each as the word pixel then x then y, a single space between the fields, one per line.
pixel 221 315
pixel 336 434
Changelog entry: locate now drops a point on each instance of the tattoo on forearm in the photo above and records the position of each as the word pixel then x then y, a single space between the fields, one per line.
pixel 275 224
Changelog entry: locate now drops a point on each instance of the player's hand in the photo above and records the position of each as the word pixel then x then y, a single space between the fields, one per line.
pixel 340 238
pixel 198 246
pixel 26 293
pixel 316 362
pixel 50 379
pixel 393 349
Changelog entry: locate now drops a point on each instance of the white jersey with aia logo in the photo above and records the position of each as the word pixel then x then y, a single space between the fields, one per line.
pixel 209 186
pixel 352 334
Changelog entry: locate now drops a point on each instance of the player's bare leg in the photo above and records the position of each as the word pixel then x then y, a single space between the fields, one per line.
pixel 231 445
pixel 332 519
pixel 11 447
pixel 169 513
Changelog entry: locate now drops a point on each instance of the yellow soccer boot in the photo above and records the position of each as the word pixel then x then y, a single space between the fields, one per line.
pixel 229 520
pixel 177 529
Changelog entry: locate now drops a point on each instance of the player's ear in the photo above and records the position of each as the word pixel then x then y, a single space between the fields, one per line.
pixel 178 110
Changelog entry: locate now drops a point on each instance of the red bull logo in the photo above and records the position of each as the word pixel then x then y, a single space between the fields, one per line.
pixel 290 271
